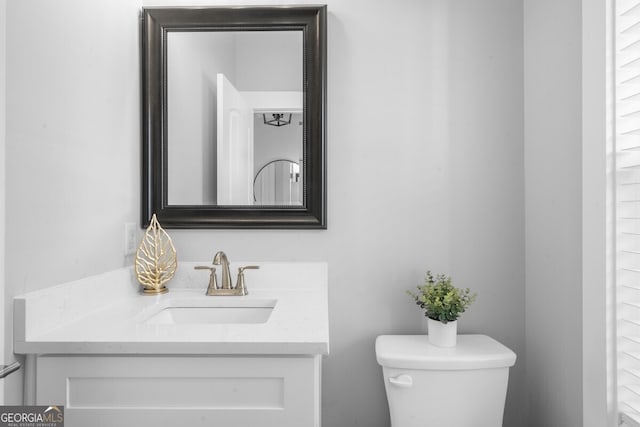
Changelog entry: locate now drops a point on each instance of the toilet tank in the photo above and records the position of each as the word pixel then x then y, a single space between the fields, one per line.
pixel 429 386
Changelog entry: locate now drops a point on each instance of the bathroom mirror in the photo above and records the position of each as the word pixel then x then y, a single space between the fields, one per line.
pixel 226 91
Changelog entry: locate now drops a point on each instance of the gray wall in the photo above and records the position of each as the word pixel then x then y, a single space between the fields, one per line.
pixel 486 173
pixel 424 96
pixel 553 186
pixel 3 68
pixel 192 126
pixel 269 61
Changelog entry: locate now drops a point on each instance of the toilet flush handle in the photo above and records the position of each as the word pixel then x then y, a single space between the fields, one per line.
pixel 401 380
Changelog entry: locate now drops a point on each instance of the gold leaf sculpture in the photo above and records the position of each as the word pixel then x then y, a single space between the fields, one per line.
pixel 156 259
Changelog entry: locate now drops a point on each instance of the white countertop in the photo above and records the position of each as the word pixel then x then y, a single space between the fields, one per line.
pixel 106 314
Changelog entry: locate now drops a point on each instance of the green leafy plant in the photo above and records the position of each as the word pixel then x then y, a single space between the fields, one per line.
pixel 440 300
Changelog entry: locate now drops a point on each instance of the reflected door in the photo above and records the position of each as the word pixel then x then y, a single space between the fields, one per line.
pixel 235 146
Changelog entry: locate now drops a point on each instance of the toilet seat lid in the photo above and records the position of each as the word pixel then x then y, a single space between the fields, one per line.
pixel 416 352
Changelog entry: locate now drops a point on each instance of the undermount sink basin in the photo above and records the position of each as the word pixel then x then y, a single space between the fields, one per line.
pixel 214 312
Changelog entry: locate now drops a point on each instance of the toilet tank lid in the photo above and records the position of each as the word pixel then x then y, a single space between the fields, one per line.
pixel 415 352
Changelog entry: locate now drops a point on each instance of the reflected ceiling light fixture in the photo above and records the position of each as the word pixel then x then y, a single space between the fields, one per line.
pixel 278 119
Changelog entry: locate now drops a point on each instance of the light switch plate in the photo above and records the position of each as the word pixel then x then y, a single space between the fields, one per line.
pixel 130 238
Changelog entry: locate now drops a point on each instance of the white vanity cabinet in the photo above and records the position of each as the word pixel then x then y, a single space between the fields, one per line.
pixel 155 390
pixel 96 347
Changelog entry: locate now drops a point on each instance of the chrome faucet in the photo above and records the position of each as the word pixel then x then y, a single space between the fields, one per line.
pixel 220 258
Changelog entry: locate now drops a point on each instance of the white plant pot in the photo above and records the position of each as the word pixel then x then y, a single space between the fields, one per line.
pixel 442 334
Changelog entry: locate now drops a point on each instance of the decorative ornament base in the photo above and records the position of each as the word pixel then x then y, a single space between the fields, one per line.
pixel 442 334
pixel 154 291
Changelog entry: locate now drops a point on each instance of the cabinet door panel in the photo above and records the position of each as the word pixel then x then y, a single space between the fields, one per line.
pixel 170 391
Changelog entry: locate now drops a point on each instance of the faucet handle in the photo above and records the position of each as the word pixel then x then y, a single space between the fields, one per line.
pixel 213 283
pixel 240 281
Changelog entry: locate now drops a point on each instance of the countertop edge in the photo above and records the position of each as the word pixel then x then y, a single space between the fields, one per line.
pixel 171 348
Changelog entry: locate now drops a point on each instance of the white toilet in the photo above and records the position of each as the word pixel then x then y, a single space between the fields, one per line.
pixel 429 386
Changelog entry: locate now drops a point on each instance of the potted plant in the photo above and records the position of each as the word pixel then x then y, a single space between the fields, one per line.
pixel 442 303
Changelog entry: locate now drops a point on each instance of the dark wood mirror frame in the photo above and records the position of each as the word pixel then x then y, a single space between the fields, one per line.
pixel 156 23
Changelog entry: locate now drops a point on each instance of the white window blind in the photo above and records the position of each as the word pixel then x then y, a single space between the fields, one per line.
pixel 627 206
